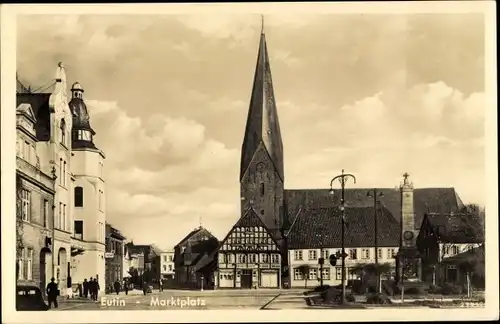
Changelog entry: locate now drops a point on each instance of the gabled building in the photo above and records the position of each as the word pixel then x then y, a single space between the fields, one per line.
pixel 115 248
pixel 168 265
pixel 195 259
pixel 249 256
pixel 316 233
pixel 59 151
pixel 442 238
pixel 145 261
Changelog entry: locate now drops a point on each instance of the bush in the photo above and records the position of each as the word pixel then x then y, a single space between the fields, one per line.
pixel 334 295
pixel 415 291
pixel 433 289
pixel 378 299
pixel 451 289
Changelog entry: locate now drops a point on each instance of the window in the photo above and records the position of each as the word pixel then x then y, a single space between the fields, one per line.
pixel 454 249
pixel 62 131
pixel 313 255
pixel 365 253
pixel 326 254
pixel 26 151
pixel 170 258
pixel 79 229
pixel 64 174
pixel 338 273
pixel 252 258
pixel 60 171
pixel 298 255
pixel 101 201
pixel 242 258
pixel 262 211
pixel 297 274
pixel 21 265
pixel 262 189
pixel 353 254
pixel 164 268
pixel 275 258
pixel 380 253
pixel 313 274
pixel 45 212
pixel 170 267
pixel 391 253
pixel 26 204
pixel 223 258
pixel 264 258
pixel 78 197
pixel 326 273
pixel 64 220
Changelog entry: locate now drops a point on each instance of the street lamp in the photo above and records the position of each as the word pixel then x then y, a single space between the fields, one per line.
pixel 376 194
pixel 342 179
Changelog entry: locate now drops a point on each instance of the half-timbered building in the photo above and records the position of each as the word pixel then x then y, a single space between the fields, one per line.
pixel 249 256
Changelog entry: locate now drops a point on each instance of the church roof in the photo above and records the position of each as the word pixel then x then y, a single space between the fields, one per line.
pixel 424 200
pixel 39 103
pixel 262 121
pixel 321 227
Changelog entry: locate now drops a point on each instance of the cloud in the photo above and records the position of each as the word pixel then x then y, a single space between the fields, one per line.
pixel 168 95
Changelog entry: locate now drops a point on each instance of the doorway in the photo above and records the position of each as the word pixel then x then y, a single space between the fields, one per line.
pixel 246 279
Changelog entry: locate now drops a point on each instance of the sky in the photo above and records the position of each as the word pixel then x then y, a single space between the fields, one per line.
pixel 376 95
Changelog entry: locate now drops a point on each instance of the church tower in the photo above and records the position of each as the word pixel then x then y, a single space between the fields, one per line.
pixel 88 193
pixel 262 172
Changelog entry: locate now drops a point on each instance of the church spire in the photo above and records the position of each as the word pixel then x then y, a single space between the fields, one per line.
pixel 262 121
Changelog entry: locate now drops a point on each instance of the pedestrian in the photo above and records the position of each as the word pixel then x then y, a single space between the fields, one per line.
pixel 145 287
pixel 96 289
pixel 117 287
pixel 90 289
pixel 125 287
pixel 161 285
pixel 52 293
pixel 85 288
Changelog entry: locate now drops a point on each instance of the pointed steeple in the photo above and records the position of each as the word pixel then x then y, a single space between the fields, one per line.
pixel 262 121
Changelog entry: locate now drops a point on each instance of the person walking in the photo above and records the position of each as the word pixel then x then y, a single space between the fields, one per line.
pixel 117 287
pixel 90 284
pixel 125 287
pixel 96 289
pixel 145 287
pixel 52 293
pixel 85 288
pixel 161 285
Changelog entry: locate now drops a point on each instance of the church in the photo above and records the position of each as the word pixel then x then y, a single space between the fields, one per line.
pixel 256 251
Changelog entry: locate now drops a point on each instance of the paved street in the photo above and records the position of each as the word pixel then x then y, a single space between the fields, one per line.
pixel 185 300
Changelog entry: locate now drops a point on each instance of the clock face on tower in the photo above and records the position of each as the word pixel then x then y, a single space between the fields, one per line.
pixel 408 235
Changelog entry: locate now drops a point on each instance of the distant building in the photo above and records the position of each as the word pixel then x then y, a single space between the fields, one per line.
pixel 168 264
pixel 115 248
pixel 145 262
pixel 195 259
pixel 447 239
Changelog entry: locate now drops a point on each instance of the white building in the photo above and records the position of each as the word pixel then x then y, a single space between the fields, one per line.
pixel 316 232
pixel 89 193
pixel 73 246
pixel 167 264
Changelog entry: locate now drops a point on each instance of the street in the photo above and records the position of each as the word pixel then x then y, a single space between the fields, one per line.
pixel 193 300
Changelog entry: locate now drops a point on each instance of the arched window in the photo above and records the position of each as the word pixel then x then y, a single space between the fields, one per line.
pixel 62 129
pixel 78 197
pixel 262 188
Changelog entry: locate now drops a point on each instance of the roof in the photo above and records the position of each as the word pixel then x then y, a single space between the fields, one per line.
pixel 193 233
pixel 39 103
pixel 262 124
pixel 321 227
pixel 424 200
pixel 457 228
pixel 473 254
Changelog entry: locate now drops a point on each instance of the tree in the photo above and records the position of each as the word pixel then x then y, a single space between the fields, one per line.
pixel 19 224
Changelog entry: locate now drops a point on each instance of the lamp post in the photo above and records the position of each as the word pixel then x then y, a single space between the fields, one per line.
pixel 375 194
pixel 343 177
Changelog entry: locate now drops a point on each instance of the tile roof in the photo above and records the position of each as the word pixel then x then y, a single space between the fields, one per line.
pixel 321 227
pixel 457 228
pixel 473 254
pixel 424 200
pixel 40 104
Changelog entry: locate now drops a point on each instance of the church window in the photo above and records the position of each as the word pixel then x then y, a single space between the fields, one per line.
pixel 78 197
pixel 262 188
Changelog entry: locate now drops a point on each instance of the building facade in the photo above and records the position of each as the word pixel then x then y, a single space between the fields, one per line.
pixel 315 233
pixel 249 256
pixel 35 200
pixel 56 155
pixel 168 265
pixel 195 258
pixel 115 249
